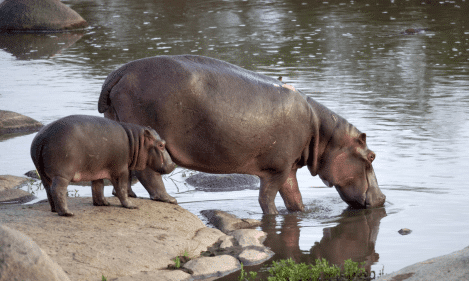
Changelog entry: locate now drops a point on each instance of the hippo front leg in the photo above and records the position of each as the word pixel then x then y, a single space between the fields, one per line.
pixel 291 193
pixel 97 191
pixel 270 185
pixel 59 195
pixel 120 186
pixel 153 183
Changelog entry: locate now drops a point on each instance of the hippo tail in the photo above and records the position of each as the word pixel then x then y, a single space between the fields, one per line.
pixel 104 102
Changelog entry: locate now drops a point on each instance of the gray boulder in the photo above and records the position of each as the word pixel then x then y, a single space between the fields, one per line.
pixel 11 122
pixel 227 222
pixel 22 259
pixel 38 15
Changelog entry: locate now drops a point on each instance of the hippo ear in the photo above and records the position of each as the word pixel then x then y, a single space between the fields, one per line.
pixel 148 136
pixel 362 139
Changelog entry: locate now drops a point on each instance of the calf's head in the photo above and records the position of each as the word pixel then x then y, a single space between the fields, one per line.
pixel 346 164
pixel 157 157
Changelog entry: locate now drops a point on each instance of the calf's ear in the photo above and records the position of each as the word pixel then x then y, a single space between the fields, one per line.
pixel 362 139
pixel 149 138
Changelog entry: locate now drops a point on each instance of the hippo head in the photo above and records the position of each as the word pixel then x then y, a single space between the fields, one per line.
pixel 346 164
pixel 158 158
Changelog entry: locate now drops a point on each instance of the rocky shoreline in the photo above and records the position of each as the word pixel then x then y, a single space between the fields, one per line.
pixel 123 244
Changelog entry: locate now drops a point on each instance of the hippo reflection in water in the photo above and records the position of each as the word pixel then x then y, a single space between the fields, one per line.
pixel 219 118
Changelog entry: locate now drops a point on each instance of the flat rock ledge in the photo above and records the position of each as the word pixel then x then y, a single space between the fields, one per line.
pixel 112 241
pixel 9 192
pixel 451 267
pixel 12 122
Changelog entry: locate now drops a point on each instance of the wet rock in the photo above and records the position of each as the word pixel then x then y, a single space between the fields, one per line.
pixel 22 259
pixel 249 237
pixel 9 192
pixel 404 231
pixel 217 266
pixel 227 222
pixel 38 15
pixel 255 255
pixel 223 182
pixel 12 122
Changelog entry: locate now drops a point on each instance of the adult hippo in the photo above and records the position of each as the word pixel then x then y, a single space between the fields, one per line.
pixel 219 118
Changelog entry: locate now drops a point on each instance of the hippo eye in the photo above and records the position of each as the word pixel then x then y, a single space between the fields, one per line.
pixel 160 146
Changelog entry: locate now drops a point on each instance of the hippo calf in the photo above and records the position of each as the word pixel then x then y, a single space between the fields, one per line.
pixel 221 118
pixel 88 148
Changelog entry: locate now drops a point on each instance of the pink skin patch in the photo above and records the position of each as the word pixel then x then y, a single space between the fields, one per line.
pixel 79 176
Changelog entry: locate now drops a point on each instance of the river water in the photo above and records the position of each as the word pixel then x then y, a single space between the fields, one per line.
pixel 408 92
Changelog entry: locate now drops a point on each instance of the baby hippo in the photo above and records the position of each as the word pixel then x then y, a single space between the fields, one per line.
pixel 88 148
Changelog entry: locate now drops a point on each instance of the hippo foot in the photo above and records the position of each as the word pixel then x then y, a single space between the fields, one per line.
pixel 131 207
pixel 66 214
pixel 165 198
pixel 101 203
pixel 131 194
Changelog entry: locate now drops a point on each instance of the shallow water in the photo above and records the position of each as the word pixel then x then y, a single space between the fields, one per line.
pixel 409 93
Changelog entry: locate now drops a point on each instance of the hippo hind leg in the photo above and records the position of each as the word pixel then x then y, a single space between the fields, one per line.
pixel 291 193
pixel 153 183
pixel 47 183
pixel 97 190
pixel 59 196
pixel 120 186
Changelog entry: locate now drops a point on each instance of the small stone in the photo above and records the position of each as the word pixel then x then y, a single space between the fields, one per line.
pixel 255 256
pixel 217 266
pixel 226 242
pixel 404 231
pixel 249 237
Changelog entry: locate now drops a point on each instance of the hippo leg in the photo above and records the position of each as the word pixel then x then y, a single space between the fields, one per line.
pixel 47 186
pixel 120 186
pixel 270 185
pixel 153 183
pixel 59 195
pixel 97 190
pixel 291 193
pixel 130 192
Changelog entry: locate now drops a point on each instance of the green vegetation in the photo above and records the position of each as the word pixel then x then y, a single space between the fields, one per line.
pixel 289 270
pixel 103 278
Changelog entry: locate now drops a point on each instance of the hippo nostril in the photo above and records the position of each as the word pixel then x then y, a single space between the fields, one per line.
pixel 371 156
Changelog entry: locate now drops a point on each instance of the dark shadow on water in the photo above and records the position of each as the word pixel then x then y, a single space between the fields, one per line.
pixel 354 237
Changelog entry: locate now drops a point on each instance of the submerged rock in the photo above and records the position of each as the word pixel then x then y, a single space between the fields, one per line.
pixel 227 222
pixel 9 192
pixel 223 182
pixel 12 122
pixel 38 15
pixel 404 231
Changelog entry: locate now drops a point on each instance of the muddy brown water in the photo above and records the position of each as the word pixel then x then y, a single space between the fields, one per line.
pixel 409 93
